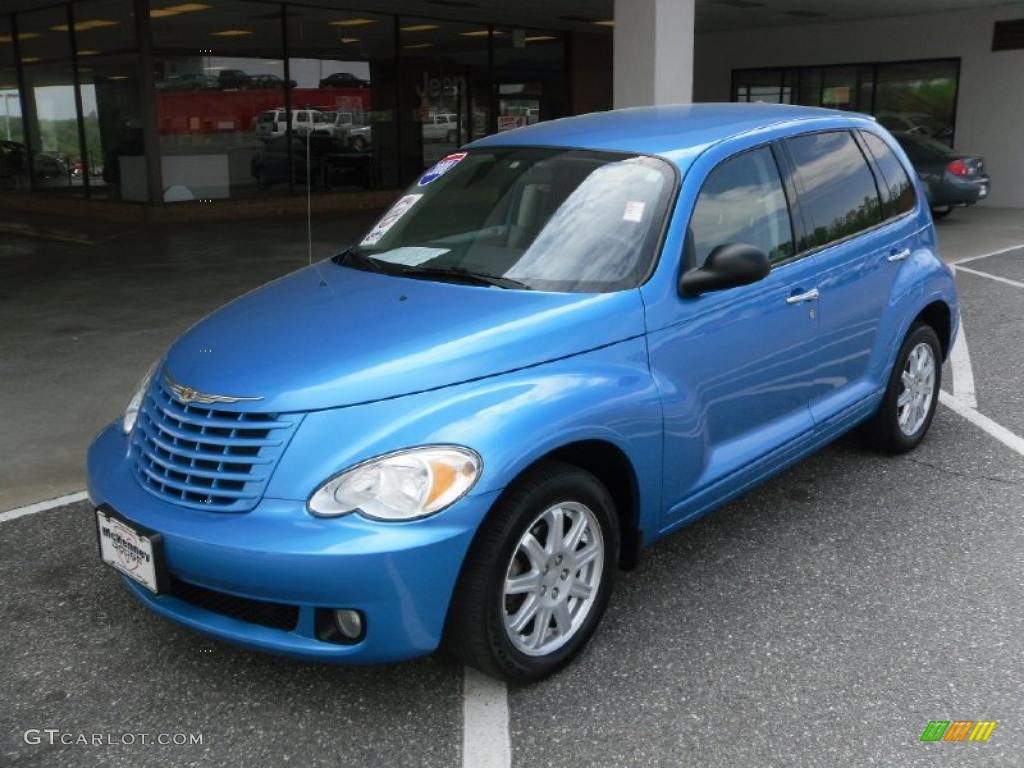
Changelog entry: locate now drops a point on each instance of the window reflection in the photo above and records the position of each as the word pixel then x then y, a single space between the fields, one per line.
pixel 742 201
pixel 916 97
pixel 54 154
pixel 13 151
pixel 445 87
pixel 839 194
pixel 896 190
pixel 344 77
pixel 528 75
pixel 378 97
pixel 219 68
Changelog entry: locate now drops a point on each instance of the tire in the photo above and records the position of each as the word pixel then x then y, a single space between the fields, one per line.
pixel 941 213
pixel 359 143
pixel 476 630
pixel 884 430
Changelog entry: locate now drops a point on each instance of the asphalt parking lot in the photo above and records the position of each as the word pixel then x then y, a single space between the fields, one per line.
pixel 822 620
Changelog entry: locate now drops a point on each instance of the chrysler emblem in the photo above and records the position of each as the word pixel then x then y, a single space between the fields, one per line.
pixel 188 395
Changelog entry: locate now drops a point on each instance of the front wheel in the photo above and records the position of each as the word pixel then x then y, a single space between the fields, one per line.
pixel 910 399
pixel 538 576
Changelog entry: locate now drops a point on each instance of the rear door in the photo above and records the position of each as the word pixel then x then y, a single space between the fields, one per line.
pixel 861 230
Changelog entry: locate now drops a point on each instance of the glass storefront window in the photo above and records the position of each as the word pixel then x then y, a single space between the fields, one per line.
pixel 839 88
pixel 445 88
pixel 764 85
pixel 918 97
pixel 247 95
pixel 51 123
pixel 913 96
pixel 112 117
pixel 344 71
pixel 219 74
pixel 13 152
pixel 529 75
pixel 109 91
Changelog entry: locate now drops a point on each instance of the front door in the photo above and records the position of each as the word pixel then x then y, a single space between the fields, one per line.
pixel 736 369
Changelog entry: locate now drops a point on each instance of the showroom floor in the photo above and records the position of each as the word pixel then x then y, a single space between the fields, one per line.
pixel 823 619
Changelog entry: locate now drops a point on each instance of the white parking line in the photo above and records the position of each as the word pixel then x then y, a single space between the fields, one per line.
pixel 42 506
pixel 980 420
pixel 997 278
pixel 964 400
pixel 485 736
pixel 980 256
pixel 963 373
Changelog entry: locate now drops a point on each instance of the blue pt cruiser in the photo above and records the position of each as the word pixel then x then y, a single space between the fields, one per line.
pixel 557 346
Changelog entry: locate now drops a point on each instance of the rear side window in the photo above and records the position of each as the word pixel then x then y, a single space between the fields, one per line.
pixel 742 201
pixel 896 190
pixel 838 194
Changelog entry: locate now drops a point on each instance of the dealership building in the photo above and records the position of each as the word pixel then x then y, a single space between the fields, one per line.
pixel 161 108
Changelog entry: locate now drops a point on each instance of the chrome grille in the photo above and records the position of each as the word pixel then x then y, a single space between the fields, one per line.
pixel 206 458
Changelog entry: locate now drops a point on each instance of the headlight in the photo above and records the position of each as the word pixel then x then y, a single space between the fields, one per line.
pixel 400 486
pixel 131 412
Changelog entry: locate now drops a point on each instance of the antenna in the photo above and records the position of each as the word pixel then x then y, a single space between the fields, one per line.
pixel 309 201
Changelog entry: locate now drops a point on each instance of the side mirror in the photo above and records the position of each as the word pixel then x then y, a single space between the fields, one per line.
pixel 727 266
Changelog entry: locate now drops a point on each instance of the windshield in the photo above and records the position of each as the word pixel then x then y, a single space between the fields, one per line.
pixel 544 219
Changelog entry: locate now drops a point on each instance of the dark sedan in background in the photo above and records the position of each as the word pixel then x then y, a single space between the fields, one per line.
pixel 951 178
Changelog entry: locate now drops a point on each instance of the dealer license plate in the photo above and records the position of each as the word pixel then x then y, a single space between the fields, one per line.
pixel 127 548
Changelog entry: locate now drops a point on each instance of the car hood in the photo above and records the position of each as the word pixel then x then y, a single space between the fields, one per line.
pixel 329 336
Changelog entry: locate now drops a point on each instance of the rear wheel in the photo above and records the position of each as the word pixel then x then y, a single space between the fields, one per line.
pixel 912 395
pixel 943 212
pixel 538 576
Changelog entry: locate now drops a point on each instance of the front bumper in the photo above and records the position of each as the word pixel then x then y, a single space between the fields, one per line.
pixel 399 575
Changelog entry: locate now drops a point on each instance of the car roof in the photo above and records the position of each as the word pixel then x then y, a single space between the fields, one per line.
pixel 675 132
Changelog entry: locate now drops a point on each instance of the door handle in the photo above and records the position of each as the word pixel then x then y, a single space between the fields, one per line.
pixel 898 255
pixel 811 295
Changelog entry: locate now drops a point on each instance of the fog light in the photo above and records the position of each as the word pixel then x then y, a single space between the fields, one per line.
pixel 344 626
pixel 349 622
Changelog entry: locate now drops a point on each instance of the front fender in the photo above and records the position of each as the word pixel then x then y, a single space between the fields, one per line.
pixel 511 420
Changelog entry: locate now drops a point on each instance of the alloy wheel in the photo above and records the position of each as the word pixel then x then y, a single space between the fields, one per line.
pixel 553 578
pixel 917 389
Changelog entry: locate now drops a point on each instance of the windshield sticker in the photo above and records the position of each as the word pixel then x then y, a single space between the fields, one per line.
pixel 389 219
pixel 441 167
pixel 410 255
pixel 634 211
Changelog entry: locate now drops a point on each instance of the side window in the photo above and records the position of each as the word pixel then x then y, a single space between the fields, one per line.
pixel 742 201
pixel 838 193
pixel 897 191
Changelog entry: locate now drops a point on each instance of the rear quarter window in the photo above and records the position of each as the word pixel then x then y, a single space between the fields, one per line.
pixel 894 186
pixel 836 187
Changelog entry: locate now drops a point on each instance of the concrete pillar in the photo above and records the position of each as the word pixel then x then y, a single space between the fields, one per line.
pixel 653 52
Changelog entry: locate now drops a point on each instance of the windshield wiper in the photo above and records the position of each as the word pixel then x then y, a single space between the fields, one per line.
pixel 464 275
pixel 352 257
